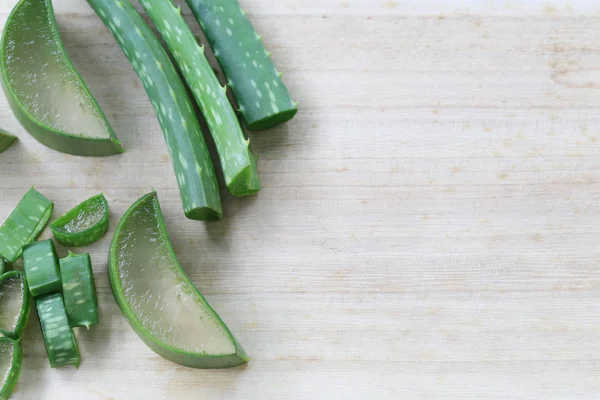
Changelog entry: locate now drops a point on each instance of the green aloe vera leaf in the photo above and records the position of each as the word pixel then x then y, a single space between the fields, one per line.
pixel 2 265
pixel 193 166
pixel 158 299
pixel 11 360
pixel 6 140
pixel 237 161
pixel 24 224
pixel 79 290
pixel 15 304
pixel 84 224
pixel 257 85
pixel 41 268
pixel 46 93
pixel 60 343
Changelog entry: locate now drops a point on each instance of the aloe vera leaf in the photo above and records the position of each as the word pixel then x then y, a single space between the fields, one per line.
pixel 43 88
pixel 79 290
pixel 237 161
pixel 11 360
pixel 24 224
pixel 193 167
pixel 15 304
pixel 6 140
pixel 257 85
pixel 41 268
pixel 60 343
pixel 158 299
pixel 83 225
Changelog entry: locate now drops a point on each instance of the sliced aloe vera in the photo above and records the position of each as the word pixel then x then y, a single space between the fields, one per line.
pixel 41 268
pixel 14 304
pixel 79 290
pixel 11 359
pixel 158 299
pixel 6 140
pixel 60 343
pixel 44 90
pixel 24 224
pixel 84 224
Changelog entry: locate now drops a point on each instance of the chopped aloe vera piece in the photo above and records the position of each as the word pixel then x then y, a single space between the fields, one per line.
pixel 41 268
pixel 14 304
pixel 6 140
pixel 11 360
pixel 60 343
pixel 84 224
pixel 79 290
pixel 44 90
pixel 158 299
pixel 24 224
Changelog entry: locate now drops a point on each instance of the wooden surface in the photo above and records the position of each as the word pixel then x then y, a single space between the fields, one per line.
pixel 428 225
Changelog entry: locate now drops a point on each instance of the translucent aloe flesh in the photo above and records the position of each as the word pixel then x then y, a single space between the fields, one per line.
pixel 6 140
pixel 84 224
pixel 263 98
pixel 60 343
pixel 11 360
pixel 237 161
pixel 191 160
pixel 24 224
pixel 14 304
pixel 158 299
pixel 79 290
pixel 42 268
pixel 43 88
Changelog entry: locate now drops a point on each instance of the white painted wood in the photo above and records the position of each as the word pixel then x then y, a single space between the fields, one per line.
pixel 428 225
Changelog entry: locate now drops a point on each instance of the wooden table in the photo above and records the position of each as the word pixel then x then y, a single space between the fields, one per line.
pixel 428 225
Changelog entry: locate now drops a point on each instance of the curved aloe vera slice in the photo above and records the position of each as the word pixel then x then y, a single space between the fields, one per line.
pixel 263 98
pixel 60 343
pixel 84 224
pixel 24 224
pixel 237 161
pixel 79 290
pixel 189 153
pixel 43 88
pixel 41 268
pixel 11 359
pixel 14 304
pixel 158 299
pixel 6 140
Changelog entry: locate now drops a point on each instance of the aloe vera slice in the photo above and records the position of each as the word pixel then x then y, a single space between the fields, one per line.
pixel 60 343
pixel 14 304
pixel 79 290
pixel 158 299
pixel 6 140
pixel 263 98
pixel 24 224
pixel 84 224
pixel 11 360
pixel 44 90
pixel 41 268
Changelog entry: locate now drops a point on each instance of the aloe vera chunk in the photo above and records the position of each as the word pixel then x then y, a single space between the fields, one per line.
pixel 15 304
pixel 6 140
pixel 11 360
pixel 79 290
pixel 84 224
pixel 42 268
pixel 60 343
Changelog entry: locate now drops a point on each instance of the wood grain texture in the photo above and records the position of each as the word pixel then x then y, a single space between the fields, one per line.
pixel 428 223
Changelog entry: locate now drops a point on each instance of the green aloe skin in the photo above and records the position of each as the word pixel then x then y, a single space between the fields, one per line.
pixel 42 268
pixel 85 224
pixel 60 343
pixel 79 290
pixel 237 161
pixel 64 115
pixel 158 299
pixel 6 140
pixel 194 170
pixel 11 360
pixel 15 304
pixel 257 85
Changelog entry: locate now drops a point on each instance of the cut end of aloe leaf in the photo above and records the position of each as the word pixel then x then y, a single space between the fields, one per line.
pixel 204 214
pixel 14 304
pixel 158 299
pixel 273 120
pixel 11 359
pixel 246 183
pixel 46 93
pixel 6 140
pixel 83 225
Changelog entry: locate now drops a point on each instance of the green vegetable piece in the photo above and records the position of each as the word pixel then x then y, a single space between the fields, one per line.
pixel 79 290
pixel 193 166
pixel 6 140
pixel 237 161
pixel 41 268
pixel 11 360
pixel 43 88
pixel 14 304
pixel 84 224
pixel 263 98
pixel 2 265
pixel 158 299
pixel 24 224
pixel 60 343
